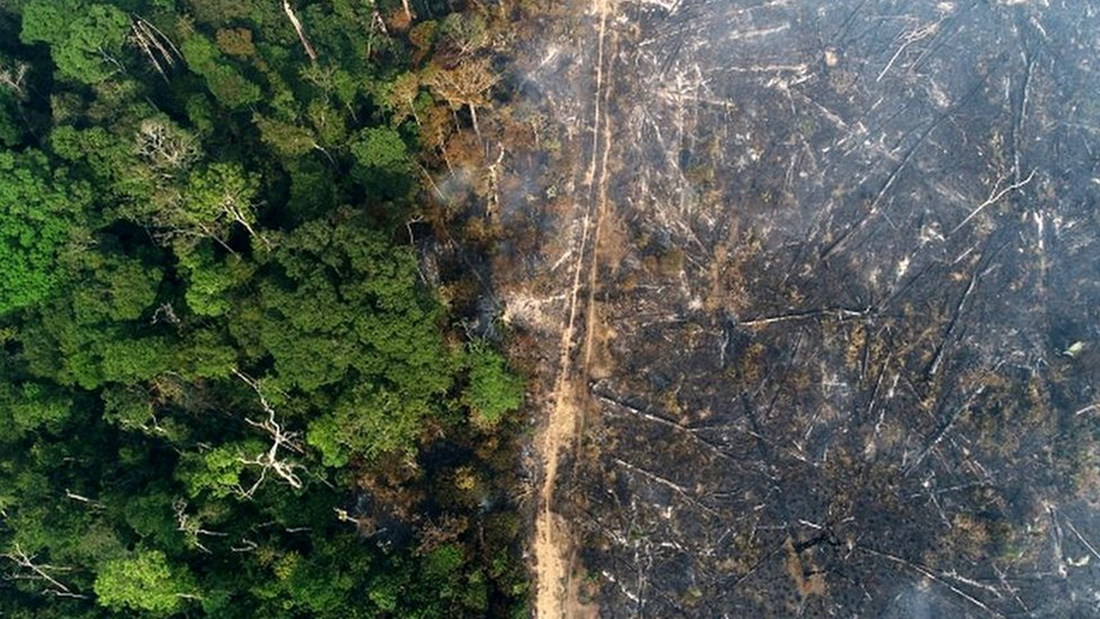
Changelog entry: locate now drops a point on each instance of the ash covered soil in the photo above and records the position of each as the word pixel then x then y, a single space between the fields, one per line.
pixel 828 275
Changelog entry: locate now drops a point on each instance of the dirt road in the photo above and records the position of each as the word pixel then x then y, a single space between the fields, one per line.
pixel 557 593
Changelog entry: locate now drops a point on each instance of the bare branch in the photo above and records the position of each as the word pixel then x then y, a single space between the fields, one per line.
pixel 190 526
pixel 994 196
pixel 156 45
pixel 41 572
pixel 270 460
pixel 1082 538
pixel 83 499
pixel 12 78
pixel 940 578
pixel 247 545
pixel 942 432
pixel 298 28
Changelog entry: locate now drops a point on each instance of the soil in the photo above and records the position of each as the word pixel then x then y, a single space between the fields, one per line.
pixel 554 547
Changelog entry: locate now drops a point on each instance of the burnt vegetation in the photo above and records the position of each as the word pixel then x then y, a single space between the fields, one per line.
pixel 846 305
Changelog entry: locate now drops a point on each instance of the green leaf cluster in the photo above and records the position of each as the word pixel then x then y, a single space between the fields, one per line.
pixel 224 381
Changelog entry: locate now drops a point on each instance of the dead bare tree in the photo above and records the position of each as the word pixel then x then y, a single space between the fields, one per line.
pixel 240 213
pixel 232 207
pixel 909 38
pixel 156 45
pixel 468 84
pixel 165 312
pixel 246 545
pixel 271 460
pixel 494 184
pixel 190 526
pixel 92 503
pixel 168 148
pixel 298 29
pixel 995 195
pixel 376 21
pixel 40 571
pixel 943 578
pixel 12 78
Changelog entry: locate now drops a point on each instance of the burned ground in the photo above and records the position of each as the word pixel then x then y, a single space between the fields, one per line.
pixel 844 332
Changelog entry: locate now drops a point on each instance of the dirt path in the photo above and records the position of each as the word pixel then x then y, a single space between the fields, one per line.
pixel 556 591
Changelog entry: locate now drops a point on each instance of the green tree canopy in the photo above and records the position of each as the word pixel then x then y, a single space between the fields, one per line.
pixel 39 210
pixel 222 390
pixel 382 162
pixel 145 581
pixel 85 40
pixel 346 309
pixel 492 390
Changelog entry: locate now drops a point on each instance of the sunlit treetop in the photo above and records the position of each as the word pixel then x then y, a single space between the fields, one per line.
pixel 39 207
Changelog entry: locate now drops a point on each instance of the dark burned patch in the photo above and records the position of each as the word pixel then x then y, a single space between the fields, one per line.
pixel 856 334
